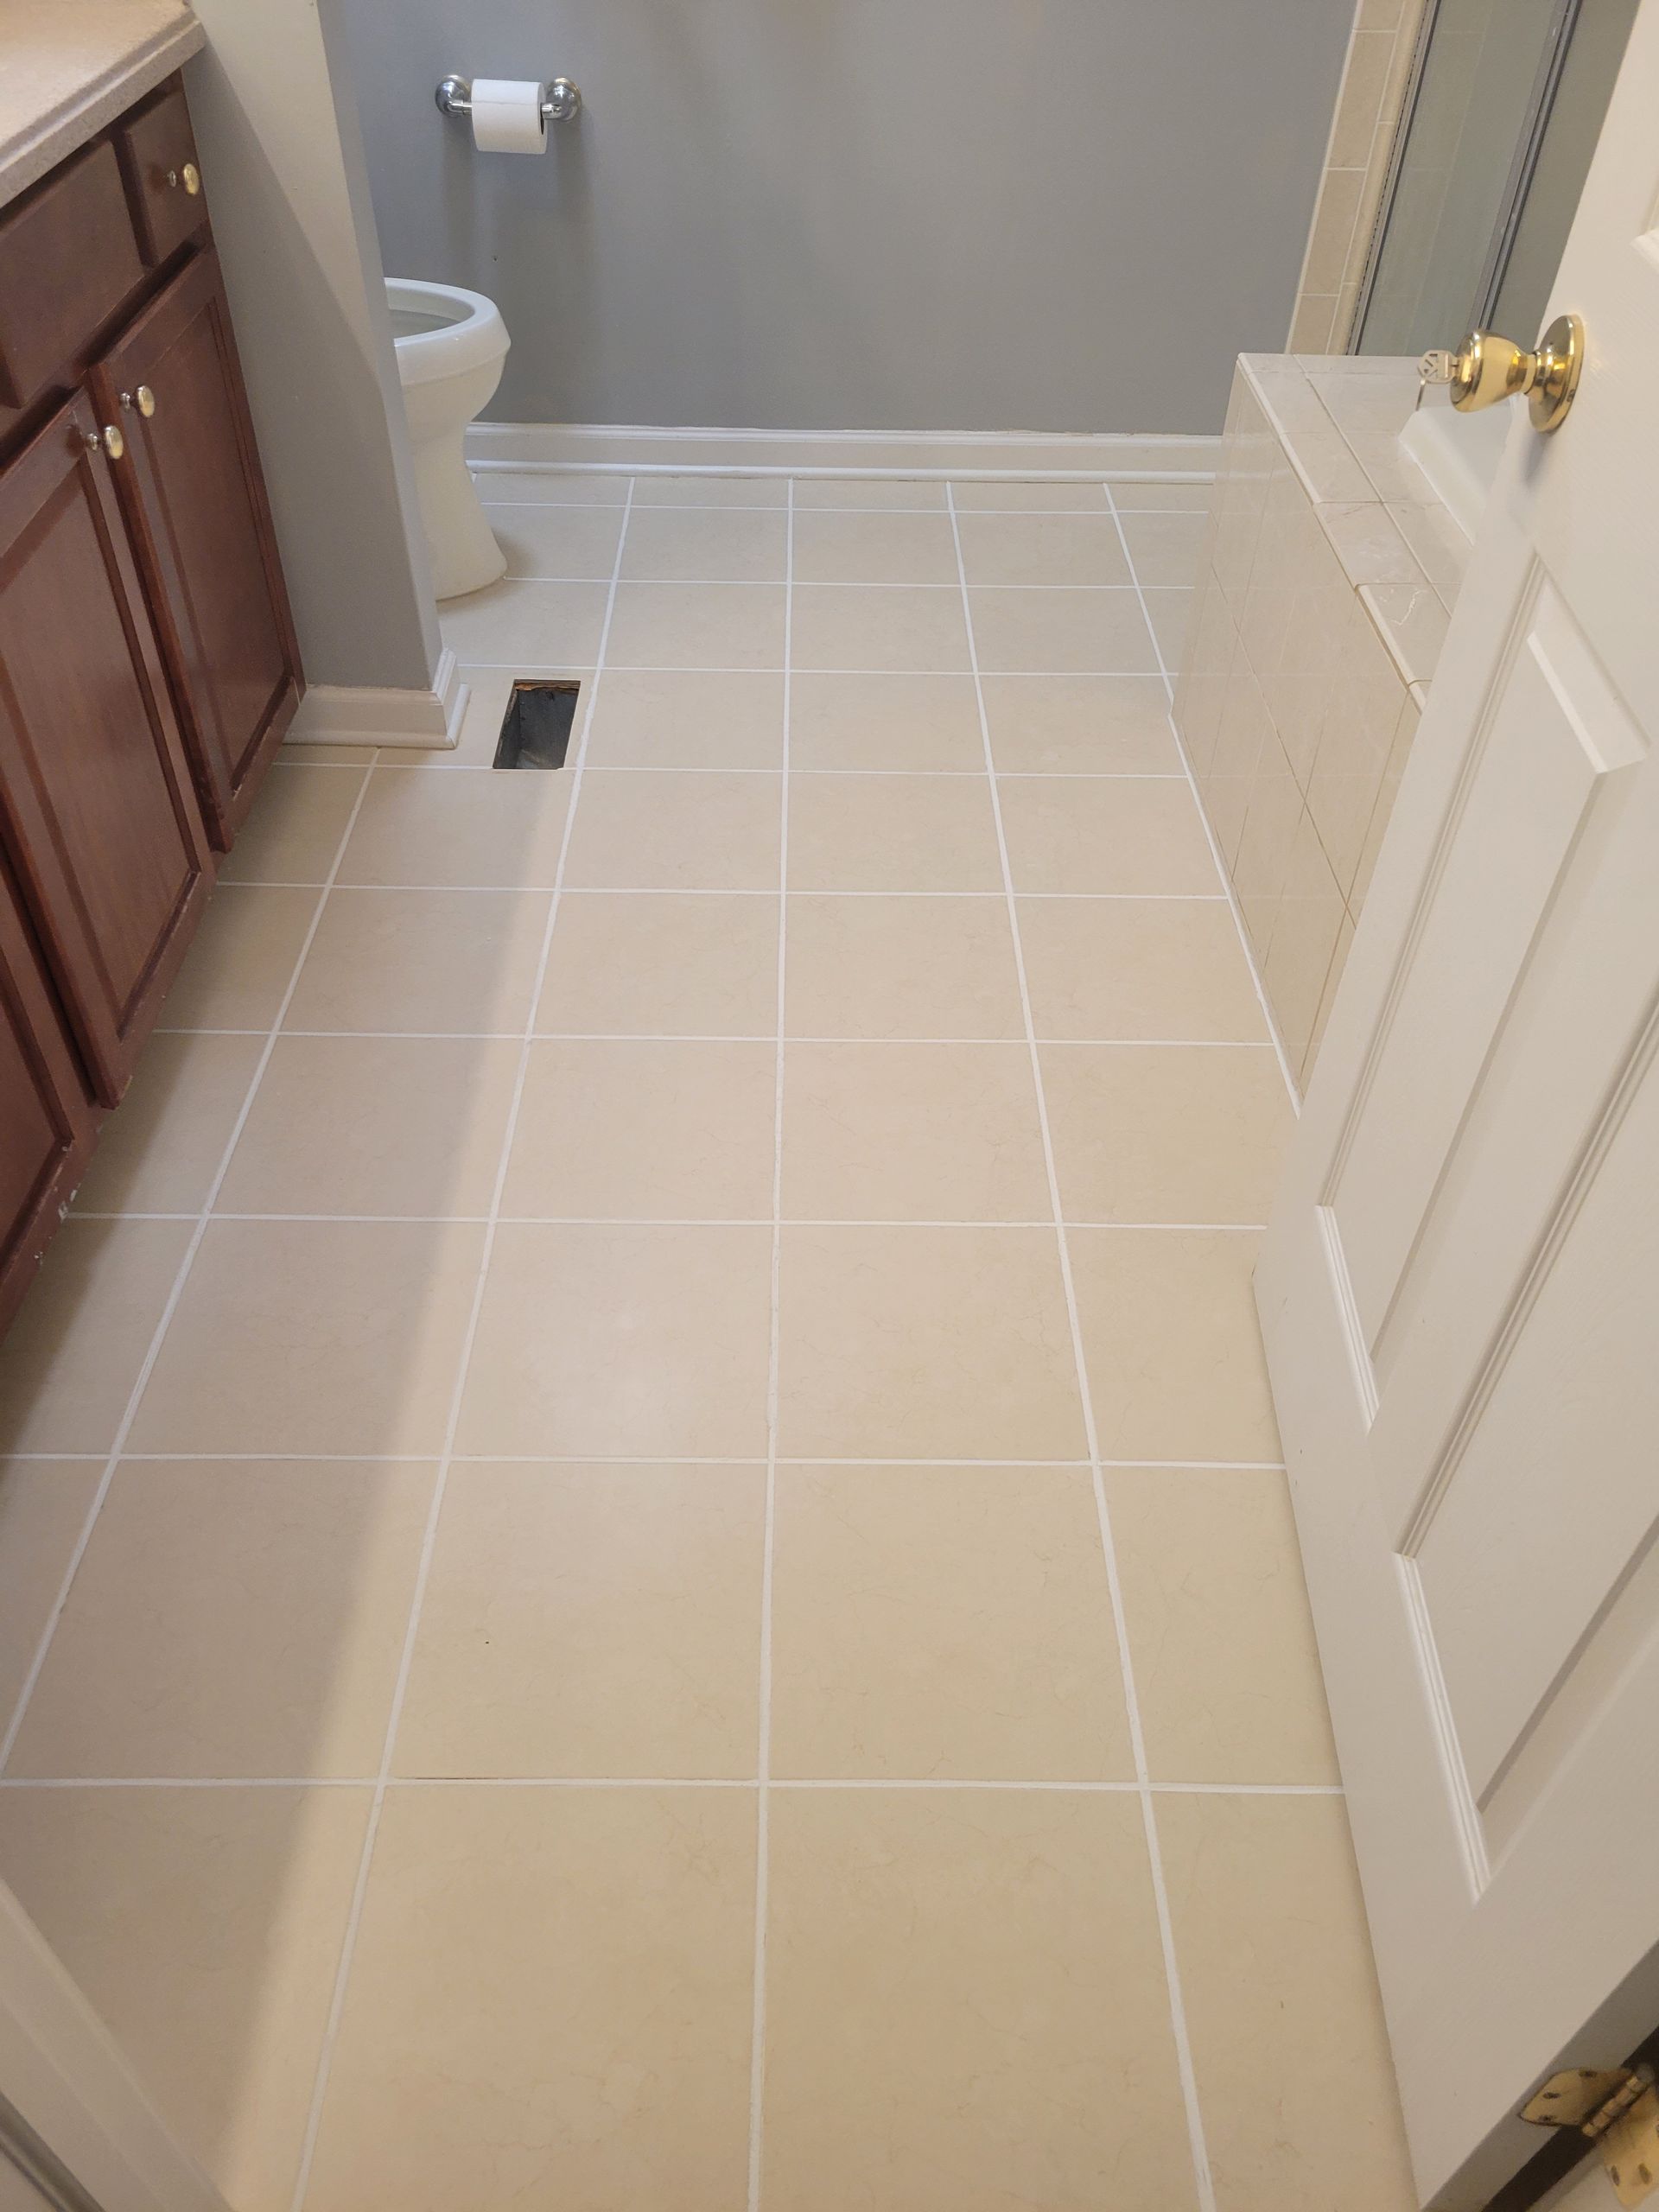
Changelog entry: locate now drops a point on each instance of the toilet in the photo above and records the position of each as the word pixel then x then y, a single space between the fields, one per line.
pixel 450 347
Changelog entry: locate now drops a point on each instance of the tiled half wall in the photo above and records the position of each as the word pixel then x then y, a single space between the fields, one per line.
pixel 1327 579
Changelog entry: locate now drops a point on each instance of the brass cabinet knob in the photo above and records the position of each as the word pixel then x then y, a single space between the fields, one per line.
pixel 189 176
pixel 146 399
pixel 1487 368
pixel 114 444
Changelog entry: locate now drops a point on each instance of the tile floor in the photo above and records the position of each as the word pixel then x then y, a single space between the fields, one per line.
pixel 645 1559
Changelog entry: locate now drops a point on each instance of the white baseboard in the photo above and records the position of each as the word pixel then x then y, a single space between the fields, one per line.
pixel 345 714
pixel 642 450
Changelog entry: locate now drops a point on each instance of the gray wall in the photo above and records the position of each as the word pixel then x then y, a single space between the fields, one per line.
pixel 283 156
pixel 866 214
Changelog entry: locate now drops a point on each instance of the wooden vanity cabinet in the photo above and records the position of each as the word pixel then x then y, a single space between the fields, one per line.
pixel 46 1123
pixel 195 500
pixel 148 662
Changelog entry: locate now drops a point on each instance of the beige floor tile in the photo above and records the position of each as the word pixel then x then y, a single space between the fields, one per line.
pixel 843 626
pixel 662 965
pixel 303 1337
pixel 647 718
pixel 489 690
pixel 1165 548
pixel 599 1342
pixel 696 626
pixel 875 548
pixel 1115 967
pixel 873 492
pixel 242 958
pixel 1169 499
pixel 919 1344
pixel 1080 725
pixel 572 2027
pixel 710 491
pixel 892 833
pixel 421 960
pixel 944 1623
pixel 639 830
pixel 878 967
pixel 912 1133
pixel 937 2038
pixel 550 486
pixel 1051 632
pixel 1170 1335
pixel 636 1129
pixel 1052 548
pixel 1170 614
pixel 159 1151
pixel 600 1620
pixel 232 1617
pixel 294 831
pixel 69 1360
pixel 1130 835
pixel 43 1509
pixel 1300 2107
pixel 1226 1671
pixel 302 752
pixel 496 831
pixel 988 496
pixel 394 1125
pixel 513 622
pixel 692 545
pixel 884 722
pixel 1166 1132
pixel 566 542
pixel 205 1927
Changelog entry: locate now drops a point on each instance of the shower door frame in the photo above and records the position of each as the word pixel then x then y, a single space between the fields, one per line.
pixel 1539 106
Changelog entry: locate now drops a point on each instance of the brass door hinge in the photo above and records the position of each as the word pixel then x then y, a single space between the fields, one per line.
pixel 1617 2110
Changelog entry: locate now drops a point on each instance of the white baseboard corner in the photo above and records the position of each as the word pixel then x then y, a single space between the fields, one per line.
pixel 643 450
pixel 347 714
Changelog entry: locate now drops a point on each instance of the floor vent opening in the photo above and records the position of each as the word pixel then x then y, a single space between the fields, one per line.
pixel 535 729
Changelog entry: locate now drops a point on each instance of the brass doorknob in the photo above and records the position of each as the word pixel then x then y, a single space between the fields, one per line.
pixel 1487 368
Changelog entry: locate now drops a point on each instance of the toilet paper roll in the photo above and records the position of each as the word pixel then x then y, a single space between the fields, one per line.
pixel 507 116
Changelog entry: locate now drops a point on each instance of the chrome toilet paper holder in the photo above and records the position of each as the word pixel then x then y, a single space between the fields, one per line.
pixel 562 104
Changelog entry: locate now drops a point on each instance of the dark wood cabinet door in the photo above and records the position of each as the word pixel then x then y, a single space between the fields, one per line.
pixel 46 1121
pixel 98 815
pixel 194 496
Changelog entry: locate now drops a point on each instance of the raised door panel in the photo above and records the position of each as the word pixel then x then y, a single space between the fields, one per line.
pixel 96 805
pixel 191 481
pixel 45 1119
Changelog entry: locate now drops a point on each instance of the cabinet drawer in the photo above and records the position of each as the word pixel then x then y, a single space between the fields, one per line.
pixel 67 260
pixel 158 153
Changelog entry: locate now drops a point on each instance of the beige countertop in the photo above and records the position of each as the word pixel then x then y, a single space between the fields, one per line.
pixel 67 66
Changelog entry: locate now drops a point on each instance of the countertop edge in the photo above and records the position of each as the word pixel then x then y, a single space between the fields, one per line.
pixel 29 156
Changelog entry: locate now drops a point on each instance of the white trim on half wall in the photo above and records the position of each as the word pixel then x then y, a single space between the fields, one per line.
pixel 346 714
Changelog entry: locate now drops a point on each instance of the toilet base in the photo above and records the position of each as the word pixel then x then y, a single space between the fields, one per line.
pixel 459 542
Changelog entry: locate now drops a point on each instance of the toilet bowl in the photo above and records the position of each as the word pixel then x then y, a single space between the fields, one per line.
pixel 450 347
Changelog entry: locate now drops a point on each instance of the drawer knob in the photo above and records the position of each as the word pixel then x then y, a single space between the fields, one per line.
pixel 146 399
pixel 114 444
pixel 189 176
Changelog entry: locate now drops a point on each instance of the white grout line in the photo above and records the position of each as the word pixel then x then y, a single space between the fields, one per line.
pixel 732 891
pixel 659 1782
pixel 140 1383
pixel 830 583
pixel 1166 1928
pixel 775 668
pixel 1245 946
pixel 763 1811
pixel 688 1220
pixel 740 1036
pixel 348 1946
pixel 620 1459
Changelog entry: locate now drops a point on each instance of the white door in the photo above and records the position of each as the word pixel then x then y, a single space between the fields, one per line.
pixel 1460 1287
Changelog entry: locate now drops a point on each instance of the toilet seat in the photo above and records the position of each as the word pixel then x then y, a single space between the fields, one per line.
pixel 442 330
